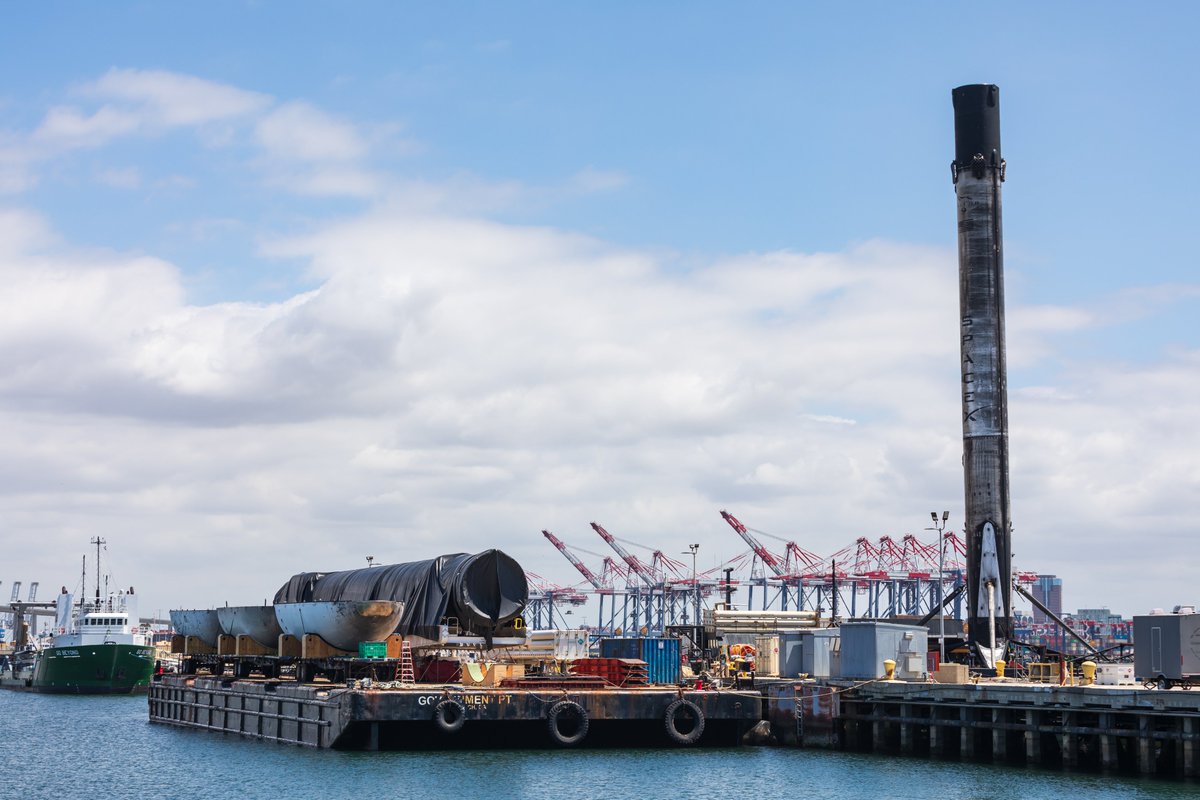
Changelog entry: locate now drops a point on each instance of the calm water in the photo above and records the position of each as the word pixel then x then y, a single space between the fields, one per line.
pixel 103 748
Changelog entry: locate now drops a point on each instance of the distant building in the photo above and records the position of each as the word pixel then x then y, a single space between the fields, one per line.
pixel 1048 590
pixel 1104 615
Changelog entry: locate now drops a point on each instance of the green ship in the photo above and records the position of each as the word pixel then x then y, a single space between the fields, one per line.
pixel 97 648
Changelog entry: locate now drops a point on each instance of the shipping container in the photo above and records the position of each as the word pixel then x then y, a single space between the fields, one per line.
pixel 1166 648
pixel 661 655
pixel 864 646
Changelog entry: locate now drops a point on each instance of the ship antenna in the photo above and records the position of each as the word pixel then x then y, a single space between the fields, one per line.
pixel 98 541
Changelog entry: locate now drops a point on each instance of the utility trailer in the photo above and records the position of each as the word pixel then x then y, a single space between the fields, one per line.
pixel 1167 649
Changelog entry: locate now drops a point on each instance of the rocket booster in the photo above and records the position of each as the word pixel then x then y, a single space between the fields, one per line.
pixel 978 171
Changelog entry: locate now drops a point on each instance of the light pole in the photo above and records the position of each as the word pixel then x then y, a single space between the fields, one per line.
pixel 939 525
pixel 695 586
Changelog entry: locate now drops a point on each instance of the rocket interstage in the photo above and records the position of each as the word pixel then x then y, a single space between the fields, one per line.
pixel 978 171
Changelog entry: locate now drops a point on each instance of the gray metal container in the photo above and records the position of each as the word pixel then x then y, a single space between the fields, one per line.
pixel 1166 646
pixel 865 646
pixel 808 653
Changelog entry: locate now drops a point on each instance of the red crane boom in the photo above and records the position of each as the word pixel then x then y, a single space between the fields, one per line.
pixel 766 556
pixel 639 568
pixel 575 562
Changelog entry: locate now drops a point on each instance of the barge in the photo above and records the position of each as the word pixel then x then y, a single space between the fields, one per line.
pixel 366 715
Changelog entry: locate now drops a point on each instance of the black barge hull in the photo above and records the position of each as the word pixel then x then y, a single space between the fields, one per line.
pixel 408 718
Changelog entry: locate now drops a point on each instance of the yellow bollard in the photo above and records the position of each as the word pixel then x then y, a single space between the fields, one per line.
pixel 1000 665
pixel 889 669
pixel 1089 672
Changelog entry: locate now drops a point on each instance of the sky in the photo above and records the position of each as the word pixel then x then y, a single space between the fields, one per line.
pixel 290 284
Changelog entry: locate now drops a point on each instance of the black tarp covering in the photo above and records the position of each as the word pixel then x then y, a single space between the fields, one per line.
pixel 483 591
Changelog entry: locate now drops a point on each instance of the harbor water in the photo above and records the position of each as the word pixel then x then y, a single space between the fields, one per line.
pixel 65 746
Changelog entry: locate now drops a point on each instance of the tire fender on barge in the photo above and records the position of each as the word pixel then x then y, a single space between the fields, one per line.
pixel 571 711
pixel 671 720
pixel 450 715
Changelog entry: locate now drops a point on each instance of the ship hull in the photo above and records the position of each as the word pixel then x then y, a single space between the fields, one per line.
pixel 93 669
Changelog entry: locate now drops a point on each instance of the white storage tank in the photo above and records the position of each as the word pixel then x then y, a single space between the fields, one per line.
pixel 766 660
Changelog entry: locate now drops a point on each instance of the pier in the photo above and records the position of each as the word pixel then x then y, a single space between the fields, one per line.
pixel 1075 728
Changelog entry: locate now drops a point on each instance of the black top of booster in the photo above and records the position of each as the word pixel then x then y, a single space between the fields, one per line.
pixel 976 122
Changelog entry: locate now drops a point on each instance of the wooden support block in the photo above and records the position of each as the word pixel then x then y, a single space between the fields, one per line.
pixel 313 646
pixel 952 673
pixel 289 646
pixel 394 643
pixel 194 646
pixel 178 644
pixel 248 647
pixel 226 645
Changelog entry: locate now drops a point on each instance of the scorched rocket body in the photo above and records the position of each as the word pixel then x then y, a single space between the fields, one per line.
pixel 978 171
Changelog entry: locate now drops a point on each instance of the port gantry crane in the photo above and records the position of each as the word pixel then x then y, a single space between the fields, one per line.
pixel 602 584
pixel 543 608
pixel 663 595
pixel 645 597
pixel 791 570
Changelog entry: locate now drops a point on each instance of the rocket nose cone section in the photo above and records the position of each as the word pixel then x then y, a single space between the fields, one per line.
pixel 493 586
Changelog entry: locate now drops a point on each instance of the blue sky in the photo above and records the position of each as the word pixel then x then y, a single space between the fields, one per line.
pixel 327 244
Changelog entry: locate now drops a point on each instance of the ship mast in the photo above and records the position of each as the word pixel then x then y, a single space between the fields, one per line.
pixel 98 541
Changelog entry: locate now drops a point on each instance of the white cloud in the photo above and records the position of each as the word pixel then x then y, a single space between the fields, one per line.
pixel 298 131
pixel 170 99
pixel 140 102
pixel 67 127
pixel 458 384
pixel 447 382
pixel 591 180
pixel 120 178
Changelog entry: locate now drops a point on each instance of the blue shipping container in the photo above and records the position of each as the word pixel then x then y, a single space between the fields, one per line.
pixel 661 655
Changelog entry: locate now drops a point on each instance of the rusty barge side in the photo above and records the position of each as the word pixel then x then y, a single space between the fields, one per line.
pixel 435 717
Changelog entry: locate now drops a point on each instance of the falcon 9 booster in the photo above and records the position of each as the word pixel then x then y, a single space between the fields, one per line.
pixel 978 171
